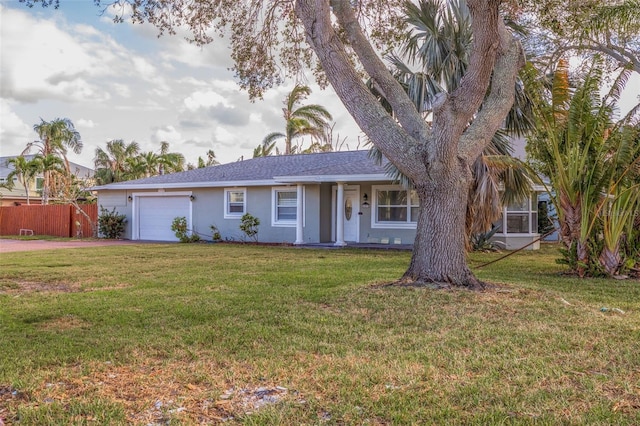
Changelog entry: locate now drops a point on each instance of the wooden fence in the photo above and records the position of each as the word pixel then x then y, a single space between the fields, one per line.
pixel 58 220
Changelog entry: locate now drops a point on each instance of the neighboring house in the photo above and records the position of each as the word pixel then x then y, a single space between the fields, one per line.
pixel 334 197
pixel 17 194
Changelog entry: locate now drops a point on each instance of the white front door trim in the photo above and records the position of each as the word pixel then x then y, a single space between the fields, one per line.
pixel 338 223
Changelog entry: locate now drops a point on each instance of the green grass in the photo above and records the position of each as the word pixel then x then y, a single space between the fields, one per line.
pixel 190 334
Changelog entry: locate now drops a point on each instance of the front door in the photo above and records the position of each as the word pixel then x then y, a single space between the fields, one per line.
pixel 350 211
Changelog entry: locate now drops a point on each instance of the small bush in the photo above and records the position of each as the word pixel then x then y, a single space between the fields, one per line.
pixel 215 234
pixel 111 223
pixel 249 225
pixel 482 241
pixel 179 227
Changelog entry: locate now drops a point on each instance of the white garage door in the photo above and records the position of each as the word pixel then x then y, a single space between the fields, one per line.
pixel 157 213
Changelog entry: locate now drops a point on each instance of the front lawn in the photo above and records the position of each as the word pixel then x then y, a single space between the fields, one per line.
pixel 209 333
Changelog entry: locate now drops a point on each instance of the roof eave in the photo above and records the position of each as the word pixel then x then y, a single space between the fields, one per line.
pixel 184 185
pixel 333 178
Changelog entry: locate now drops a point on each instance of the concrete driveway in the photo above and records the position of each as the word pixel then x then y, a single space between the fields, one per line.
pixel 8 246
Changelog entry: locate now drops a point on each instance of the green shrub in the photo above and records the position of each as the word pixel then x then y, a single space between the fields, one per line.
pixel 545 222
pixel 482 241
pixel 111 223
pixel 215 234
pixel 179 227
pixel 249 225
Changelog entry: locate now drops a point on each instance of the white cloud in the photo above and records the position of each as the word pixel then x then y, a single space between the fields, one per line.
pixel 122 90
pixel 144 68
pixel 167 134
pixel 43 61
pixel 14 133
pixel 204 99
pixel 88 124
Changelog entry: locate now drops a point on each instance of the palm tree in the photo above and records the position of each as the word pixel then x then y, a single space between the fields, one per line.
pixel 111 164
pixel 56 137
pixel 25 171
pixel 139 167
pixel 591 160
pixel 211 160
pixel 265 149
pixel 146 164
pixel 439 44
pixel 59 176
pixel 306 120
pixel 169 162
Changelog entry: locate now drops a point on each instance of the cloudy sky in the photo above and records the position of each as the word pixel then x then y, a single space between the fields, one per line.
pixel 119 81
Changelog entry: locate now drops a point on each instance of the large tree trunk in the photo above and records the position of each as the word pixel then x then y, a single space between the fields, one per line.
pixel 439 252
pixel 436 157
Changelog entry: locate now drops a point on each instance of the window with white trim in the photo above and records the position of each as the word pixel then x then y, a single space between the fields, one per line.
pixel 285 206
pixel 521 217
pixel 235 202
pixel 394 207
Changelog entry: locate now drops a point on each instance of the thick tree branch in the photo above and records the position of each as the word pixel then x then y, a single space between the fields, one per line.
pixel 453 116
pixel 403 107
pixel 383 131
pixel 500 99
pixel 621 55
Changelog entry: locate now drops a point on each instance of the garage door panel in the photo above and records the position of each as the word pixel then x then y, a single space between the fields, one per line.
pixel 156 215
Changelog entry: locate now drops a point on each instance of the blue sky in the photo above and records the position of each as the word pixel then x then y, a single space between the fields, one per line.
pixel 120 81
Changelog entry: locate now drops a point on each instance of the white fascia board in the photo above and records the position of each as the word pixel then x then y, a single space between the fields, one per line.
pixel 333 178
pixel 185 185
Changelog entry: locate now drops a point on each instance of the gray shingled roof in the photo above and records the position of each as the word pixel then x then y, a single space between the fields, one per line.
pixel 321 166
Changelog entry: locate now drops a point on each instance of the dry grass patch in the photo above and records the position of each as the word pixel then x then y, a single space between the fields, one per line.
pixel 23 287
pixel 153 391
pixel 67 322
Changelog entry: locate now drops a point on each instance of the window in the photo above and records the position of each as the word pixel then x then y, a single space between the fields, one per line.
pixel 521 218
pixel 235 202
pixel 395 207
pixel 39 183
pixel 285 201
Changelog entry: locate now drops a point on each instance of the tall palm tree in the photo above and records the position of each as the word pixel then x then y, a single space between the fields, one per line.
pixel 56 138
pixel 438 44
pixel 25 170
pixel 306 120
pixel 169 162
pixel 111 163
pixel 59 176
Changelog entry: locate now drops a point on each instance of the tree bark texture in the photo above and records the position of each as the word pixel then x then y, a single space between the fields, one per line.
pixel 439 250
pixel 436 158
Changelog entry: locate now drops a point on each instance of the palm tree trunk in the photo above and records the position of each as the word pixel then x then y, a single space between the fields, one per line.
pixel 610 259
pixel 569 220
pixel 26 192
pixel 45 187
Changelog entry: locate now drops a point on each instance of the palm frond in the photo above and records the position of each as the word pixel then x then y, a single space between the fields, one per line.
pixel 271 138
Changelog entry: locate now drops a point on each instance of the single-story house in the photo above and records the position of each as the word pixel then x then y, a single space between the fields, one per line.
pixel 333 197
